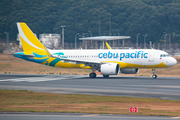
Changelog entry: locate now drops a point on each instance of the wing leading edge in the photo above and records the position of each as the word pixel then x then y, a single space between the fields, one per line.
pixel 78 61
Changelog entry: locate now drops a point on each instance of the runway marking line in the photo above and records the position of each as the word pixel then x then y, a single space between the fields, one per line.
pixel 37 79
pixel 90 115
pixel 176 117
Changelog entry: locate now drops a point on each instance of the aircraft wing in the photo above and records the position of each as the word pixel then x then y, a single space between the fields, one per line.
pixel 78 61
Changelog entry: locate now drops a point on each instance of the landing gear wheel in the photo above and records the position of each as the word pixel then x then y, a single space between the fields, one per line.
pixel 106 76
pixel 154 76
pixel 92 75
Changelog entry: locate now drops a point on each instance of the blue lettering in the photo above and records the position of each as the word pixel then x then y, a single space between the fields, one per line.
pixel 127 55
pixel 138 54
pixel 115 55
pixel 132 55
pixel 105 55
pixel 109 55
pixel 142 54
pixel 145 55
pixel 100 55
pixel 122 56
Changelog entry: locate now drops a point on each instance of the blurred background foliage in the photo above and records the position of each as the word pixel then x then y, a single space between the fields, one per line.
pixel 128 17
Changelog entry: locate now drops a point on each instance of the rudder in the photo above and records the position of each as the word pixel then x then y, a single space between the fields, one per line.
pixel 29 41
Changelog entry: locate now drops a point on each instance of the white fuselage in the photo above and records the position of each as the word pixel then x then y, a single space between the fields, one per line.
pixel 135 57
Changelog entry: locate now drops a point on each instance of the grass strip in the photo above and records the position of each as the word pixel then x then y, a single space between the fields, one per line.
pixel 28 101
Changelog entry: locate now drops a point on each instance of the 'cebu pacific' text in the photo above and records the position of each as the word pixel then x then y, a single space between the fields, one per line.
pixel 136 54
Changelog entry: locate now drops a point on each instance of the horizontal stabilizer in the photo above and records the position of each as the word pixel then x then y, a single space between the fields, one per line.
pixel 31 56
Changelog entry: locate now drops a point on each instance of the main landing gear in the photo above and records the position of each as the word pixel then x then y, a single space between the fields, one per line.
pixel 92 75
pixel 106 76
pixel 154 75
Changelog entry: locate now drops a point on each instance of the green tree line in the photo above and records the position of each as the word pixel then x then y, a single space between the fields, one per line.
pixel 99 17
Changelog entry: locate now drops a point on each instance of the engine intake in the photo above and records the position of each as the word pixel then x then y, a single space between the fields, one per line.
pixel 129 70
pixel 110 69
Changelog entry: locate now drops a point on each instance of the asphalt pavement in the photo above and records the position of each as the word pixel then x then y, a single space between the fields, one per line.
pixel 161 88
pixel 76 116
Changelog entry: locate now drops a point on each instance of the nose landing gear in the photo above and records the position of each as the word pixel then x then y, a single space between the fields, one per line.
pixel 154 75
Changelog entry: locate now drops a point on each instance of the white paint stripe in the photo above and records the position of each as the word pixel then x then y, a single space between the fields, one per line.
pixel 21 33
pixel 46 79
pixel 176 117
pixel 37 79
pixel 20 79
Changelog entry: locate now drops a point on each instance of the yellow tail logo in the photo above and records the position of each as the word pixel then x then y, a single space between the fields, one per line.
pixel 29 41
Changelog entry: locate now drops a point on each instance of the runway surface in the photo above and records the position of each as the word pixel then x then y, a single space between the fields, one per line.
pixel 162 87
pixel 72 116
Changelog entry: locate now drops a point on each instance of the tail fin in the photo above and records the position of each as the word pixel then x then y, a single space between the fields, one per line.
pixel 107 45
pixel 29 41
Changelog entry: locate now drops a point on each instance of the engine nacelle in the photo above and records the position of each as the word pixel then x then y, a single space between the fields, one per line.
pixel 129 70
pixel 109 69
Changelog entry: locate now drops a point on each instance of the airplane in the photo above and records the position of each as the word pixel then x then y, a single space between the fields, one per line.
pixel 107 61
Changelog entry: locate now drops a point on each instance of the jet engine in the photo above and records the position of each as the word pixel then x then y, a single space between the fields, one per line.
pixel 109 69
pixel 129 70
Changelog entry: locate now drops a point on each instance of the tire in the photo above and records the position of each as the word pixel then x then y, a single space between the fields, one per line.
pixel 154 76
pixel 92 75
pixel 106 76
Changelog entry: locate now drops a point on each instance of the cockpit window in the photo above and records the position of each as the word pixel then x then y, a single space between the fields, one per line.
pixel 164 55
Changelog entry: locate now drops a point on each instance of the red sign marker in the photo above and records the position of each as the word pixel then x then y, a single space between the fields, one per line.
pixel 133 109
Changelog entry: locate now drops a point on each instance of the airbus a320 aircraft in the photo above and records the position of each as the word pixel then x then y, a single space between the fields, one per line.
pixel 108 62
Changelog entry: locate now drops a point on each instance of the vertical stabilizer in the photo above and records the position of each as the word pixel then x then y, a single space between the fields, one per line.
pixel 107 45
pixel 29 41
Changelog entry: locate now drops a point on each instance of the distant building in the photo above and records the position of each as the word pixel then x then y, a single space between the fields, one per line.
pixel 50 41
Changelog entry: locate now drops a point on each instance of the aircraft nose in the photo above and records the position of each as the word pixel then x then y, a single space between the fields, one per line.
pixel 172 61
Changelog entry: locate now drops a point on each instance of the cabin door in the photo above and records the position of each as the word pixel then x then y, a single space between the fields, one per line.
pixel 151 57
